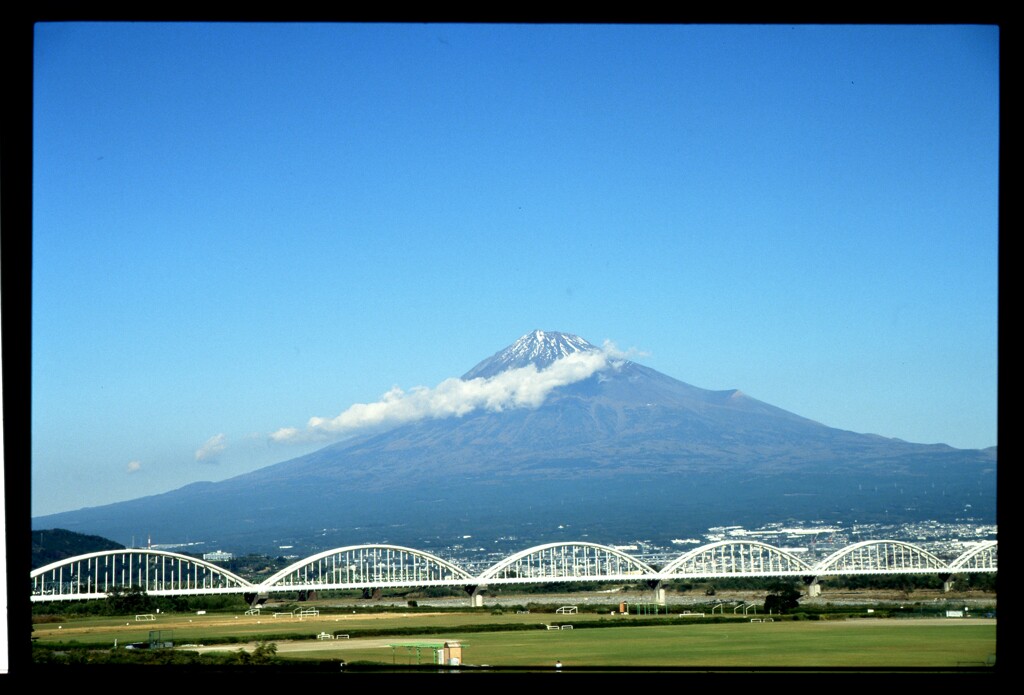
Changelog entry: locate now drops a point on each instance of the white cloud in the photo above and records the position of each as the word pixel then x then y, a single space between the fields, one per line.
pixel 134 466
pixel 211 448
pixel 526 387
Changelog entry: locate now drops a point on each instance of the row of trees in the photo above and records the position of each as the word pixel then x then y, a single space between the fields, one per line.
pixel 982 581
pixel 133 600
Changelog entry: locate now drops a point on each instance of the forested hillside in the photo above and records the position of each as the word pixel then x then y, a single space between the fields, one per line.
pixel 56 544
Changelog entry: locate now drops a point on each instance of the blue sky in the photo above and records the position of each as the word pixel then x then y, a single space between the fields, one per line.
pixel 239 227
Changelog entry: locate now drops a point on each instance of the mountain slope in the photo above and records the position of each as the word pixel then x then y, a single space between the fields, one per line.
pixel 619 449
pixel 51 545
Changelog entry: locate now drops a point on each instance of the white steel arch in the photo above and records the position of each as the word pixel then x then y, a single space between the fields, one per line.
pixel 981 558
pixel 880 557
pixel 164 573
pixel 364 566
pixel 157 572
pixel 734 558
pixel 561 561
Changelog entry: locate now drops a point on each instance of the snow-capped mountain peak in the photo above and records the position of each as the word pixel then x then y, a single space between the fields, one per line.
pixel 539 348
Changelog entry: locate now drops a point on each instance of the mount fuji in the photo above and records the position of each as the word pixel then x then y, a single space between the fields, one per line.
pixel 558 439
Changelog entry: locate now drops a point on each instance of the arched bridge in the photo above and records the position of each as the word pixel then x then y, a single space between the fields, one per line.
pixel 367 566
pixel 567 562
pixel 160 573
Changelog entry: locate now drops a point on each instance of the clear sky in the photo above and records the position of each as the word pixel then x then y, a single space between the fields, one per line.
pixel 239 227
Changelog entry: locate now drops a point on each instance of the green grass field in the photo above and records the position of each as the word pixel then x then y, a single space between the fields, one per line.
pixel 802 645
pixel 492 640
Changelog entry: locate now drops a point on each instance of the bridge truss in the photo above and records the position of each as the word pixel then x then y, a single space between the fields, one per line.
pixel 981 558
pixel 162 573
pixel 367 566
pixel 880 557
pixel 566 561
pixel 735 558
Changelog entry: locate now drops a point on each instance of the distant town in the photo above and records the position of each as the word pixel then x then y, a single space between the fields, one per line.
pixel 811 541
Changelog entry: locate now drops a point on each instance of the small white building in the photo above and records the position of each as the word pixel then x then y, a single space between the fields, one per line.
pixel 218 556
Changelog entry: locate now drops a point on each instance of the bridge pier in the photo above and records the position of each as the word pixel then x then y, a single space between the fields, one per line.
pixel 947 582
pixel 659 592
pixel 256 599
pixel 476 596
pixel 812 586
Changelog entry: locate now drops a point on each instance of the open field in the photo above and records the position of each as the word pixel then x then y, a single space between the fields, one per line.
pixel 850 643
pixel 521 640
